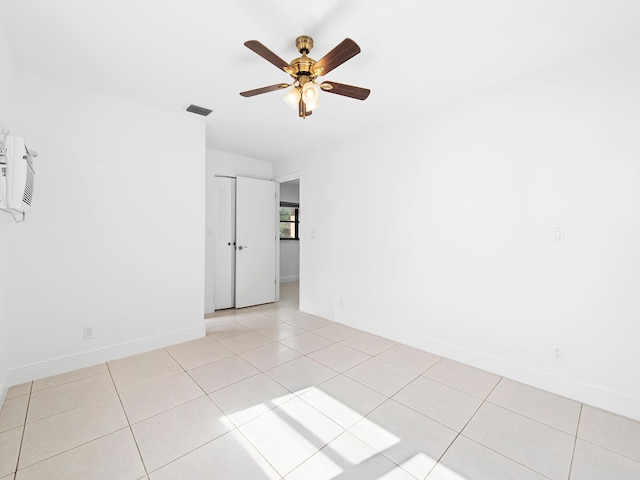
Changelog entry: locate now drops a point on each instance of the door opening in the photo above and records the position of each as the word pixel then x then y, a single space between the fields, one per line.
pixel 290 215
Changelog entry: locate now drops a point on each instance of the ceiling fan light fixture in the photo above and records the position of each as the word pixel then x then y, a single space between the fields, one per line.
pixel 292 98
pixel 310 94
pixel 311 105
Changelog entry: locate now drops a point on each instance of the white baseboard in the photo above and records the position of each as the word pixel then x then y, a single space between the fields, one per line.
pixel 3 394
pixel 587 394
pixel 291 278
pixel 89 358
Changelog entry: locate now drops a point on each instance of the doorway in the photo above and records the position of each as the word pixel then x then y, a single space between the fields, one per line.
pixel 290 214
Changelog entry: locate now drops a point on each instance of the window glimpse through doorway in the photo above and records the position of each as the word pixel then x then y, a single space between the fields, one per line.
pixel 289 221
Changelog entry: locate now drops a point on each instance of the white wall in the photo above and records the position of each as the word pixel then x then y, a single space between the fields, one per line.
pixel 6 89
pixel 453 214
pixel 114 240
pixel 230 165
pixel 289 249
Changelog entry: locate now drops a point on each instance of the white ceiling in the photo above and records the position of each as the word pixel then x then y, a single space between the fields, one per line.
pixel 415 54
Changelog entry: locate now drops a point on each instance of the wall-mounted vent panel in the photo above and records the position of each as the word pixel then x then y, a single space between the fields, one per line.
pixel 16 193
pixel 28 189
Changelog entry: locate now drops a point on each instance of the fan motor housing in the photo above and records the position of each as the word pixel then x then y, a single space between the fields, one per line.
pixel 304 44
pixel 302 65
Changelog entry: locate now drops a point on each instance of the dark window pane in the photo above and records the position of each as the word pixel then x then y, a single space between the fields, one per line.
pixel 288 213
pixel 289 221
pixel 287 230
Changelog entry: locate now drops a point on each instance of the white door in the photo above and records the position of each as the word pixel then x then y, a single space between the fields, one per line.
pixel 255 242
pixel 225 253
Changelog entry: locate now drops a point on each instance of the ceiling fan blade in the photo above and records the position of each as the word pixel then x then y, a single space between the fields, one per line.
pixel 258 91
pixel 345 90
pixel 265 53
pixel 336 57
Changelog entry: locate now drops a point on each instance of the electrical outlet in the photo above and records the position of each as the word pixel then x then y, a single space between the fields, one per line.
pixel 557 353
pixel 89 333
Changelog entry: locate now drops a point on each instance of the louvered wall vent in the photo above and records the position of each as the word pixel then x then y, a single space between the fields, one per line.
pixel 198 110
pixel 28 190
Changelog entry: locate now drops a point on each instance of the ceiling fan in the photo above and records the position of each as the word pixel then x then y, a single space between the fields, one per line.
pixel 305 71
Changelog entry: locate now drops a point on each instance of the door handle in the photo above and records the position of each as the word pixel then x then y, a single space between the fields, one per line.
pixel 240 247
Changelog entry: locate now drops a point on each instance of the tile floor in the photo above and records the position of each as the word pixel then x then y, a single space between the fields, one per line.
pixel 273 393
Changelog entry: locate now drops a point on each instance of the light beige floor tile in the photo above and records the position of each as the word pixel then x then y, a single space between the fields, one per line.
pixel 545 407
pixel 591 462
pixel 217 321
pixel 541 448
pixel 287 314
pixel 67 396
pixel 618 434
pixel 9 449
pixel 337 332
pixel 281 331
pixel 246 341
pixel 169 435
pixel 266 307
pixel 381 376
pixel 19 390
pixel 250 398
pixel 467 459
pixel 146 370
pixel 289 434
pixel 8 477
pixel 58 433
pixel 343 400
pixel 244 313
pixel 348 458
pixel 409 358
pixel 230 456
pixel 138 360
pixel 405 436
pixel 220 374
pixel 227 331
pixel 70 376
pixel 262 321
pixel 13 412
pixel 157 397
pixel 473 381
pixel 439 402
pixel 198 352
pixel 307 342
pixel 309 322
pixel 339 357
pixel 369 343
pixel 114 456
pixel 300 374
pixel 270 356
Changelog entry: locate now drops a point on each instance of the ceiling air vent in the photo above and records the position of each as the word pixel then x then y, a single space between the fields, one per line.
pixel 198 110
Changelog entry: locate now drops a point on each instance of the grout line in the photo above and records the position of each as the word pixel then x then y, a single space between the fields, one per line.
pixel 69 381
pixel 575 441
pixel 459 434
pixel 135 440
pixel 24 429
